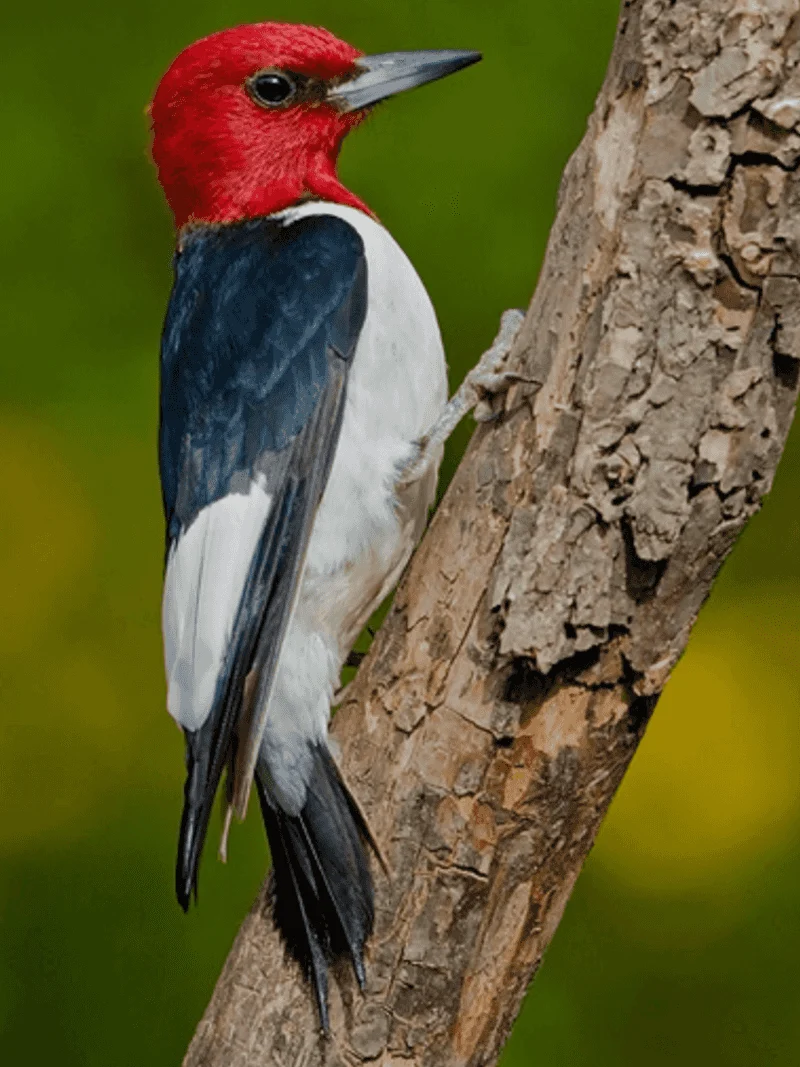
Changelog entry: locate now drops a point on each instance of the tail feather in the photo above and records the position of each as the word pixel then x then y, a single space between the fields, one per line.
pixel 285 859
pixel 347 933
pixel 324 901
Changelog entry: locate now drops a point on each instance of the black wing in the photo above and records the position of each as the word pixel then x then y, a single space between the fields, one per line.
pixel 261 327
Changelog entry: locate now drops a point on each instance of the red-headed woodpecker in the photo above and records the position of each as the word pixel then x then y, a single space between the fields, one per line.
pixel 303 413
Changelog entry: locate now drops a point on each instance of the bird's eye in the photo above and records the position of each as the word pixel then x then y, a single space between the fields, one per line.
pixel 271 88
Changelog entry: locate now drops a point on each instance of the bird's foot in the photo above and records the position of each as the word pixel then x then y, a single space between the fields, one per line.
pixel 341 694
pixel 487 379
pixel 477 393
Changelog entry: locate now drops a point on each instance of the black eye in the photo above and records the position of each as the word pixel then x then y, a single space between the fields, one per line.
pixel 271 88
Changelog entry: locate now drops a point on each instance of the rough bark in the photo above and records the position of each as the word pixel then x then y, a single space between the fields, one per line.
pixel 500 704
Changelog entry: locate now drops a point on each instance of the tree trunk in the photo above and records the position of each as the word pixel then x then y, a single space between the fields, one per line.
pixel 501 702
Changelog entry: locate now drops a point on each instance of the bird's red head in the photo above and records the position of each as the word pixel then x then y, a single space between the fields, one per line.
pixel 248 121
pixel 243 123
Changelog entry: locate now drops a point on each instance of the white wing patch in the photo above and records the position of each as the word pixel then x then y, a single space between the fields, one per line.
pixel 206 572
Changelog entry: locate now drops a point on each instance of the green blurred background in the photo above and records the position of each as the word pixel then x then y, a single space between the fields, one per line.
pixel 681 942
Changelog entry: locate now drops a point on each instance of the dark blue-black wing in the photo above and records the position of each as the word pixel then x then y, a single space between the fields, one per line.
pixel 261 327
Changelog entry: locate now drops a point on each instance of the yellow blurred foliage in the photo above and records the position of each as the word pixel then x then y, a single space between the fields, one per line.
pixel 46 538
pixel 65 734
pixel 68 747
pixel 715 789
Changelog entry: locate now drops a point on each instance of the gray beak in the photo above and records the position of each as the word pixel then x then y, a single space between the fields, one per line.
pixel 394 72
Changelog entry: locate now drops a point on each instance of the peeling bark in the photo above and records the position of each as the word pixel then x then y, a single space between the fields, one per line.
pixel 500 704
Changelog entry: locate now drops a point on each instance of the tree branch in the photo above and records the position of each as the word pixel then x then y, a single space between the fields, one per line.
pixel 501 702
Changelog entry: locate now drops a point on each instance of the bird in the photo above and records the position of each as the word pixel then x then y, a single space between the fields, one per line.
pixel 302 416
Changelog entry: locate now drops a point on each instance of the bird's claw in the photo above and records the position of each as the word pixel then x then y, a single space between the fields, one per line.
pixel 487 379
pixel 489 390
pixel 484 382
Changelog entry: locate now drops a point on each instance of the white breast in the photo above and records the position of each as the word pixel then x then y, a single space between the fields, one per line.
pixel 396 389
pixel 363 533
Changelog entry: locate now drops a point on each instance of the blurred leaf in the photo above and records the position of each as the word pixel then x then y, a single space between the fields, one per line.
pixel 715 790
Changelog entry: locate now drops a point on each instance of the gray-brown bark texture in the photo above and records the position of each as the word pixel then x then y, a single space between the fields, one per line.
pixel 501 702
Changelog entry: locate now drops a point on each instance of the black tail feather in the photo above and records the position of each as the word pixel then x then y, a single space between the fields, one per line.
pixel 316 963
pixel 324 901
pixel 198 798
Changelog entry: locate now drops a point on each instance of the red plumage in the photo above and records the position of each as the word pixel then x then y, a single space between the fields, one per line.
pixel 220 156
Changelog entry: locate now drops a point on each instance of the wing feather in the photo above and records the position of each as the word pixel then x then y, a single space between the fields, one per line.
pixel 262 325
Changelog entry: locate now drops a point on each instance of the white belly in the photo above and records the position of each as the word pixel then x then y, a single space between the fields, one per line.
pixel 363 534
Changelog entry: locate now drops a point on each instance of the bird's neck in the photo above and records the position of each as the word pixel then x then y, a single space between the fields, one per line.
pixel 251 192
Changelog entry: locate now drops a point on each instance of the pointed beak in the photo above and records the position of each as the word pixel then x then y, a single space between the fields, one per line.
pixel 394 72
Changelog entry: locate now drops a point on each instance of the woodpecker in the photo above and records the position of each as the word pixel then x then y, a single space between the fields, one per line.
pixel 303 412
